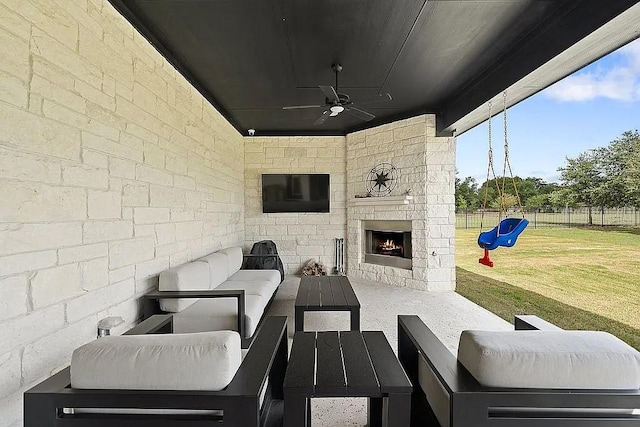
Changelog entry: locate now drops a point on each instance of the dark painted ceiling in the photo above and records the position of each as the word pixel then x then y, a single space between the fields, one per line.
pixel 250 58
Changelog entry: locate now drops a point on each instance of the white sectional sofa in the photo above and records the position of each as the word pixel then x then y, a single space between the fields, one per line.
pixel 209 293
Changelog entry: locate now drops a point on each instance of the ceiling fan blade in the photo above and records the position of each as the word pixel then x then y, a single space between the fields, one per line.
pixel 296 107
pixel 322 118
pixel 330 93
pixel 381 97
pixel 359 113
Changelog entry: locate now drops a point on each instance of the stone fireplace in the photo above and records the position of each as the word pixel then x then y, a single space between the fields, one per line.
pixel 408 237
pixel 387 243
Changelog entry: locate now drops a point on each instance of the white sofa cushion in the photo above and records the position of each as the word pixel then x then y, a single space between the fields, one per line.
pixel 211 314
pixel 550 359
pixel 202 361
pixel 234 258
pixel 262 288
pixel 218 268
pixel 254 275
pixel 193 276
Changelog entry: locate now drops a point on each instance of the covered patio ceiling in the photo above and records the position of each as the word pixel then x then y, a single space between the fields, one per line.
pixel 251 58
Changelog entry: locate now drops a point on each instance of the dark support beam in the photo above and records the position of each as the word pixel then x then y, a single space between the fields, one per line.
pixel 573 22
pixel 441 128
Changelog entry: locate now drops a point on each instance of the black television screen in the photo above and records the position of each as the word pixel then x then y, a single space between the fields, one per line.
pixel 295 193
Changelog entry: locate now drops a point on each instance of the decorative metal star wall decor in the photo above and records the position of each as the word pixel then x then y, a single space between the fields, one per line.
pixel 382 179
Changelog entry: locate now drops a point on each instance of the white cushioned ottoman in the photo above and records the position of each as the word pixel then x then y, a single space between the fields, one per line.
pixel 550 359
pixel 199 361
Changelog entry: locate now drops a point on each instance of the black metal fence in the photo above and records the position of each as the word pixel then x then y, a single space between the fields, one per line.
pixel 570 217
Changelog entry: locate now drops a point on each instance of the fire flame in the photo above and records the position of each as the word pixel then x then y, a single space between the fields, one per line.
pixel 389 245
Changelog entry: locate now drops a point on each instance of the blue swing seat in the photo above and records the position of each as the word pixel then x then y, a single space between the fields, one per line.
pixel 504 234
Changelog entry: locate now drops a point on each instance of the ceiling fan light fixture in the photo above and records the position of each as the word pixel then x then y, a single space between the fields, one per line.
pixel 336 109
pixel 334 103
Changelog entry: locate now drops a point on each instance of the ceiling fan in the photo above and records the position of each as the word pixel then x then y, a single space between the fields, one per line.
pixel 336 103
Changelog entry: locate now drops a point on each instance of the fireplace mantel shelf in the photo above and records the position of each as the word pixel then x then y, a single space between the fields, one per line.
pixel 387 200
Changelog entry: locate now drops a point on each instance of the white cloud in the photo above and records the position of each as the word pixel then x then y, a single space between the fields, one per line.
pixel 632 50
pixel 619 82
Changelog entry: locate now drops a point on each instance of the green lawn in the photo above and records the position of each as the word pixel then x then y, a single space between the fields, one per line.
pixel 576 278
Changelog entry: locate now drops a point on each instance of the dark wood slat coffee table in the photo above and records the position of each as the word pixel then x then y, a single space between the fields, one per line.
pixel 346 364
pixel 326 293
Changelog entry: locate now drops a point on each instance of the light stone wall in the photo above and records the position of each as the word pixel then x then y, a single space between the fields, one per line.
pixel 427 170
pixel 298 236
pixel 112 169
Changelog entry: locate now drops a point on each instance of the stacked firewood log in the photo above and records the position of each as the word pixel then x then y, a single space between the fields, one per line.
pixel 314 268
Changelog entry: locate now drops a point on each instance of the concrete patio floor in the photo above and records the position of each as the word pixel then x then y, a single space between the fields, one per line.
pixel 446 313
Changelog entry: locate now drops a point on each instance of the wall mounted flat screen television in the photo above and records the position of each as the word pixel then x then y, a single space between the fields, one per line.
pixel 295 193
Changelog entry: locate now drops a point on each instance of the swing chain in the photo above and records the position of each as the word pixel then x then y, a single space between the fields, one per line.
pixel 490 142
pixel 489 169
pixel 503 201
pixel 493 171
pixel 507 162
pixel 504 112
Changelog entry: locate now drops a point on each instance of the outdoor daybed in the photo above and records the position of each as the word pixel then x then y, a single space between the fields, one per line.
pixel 166 380
pixel 539 377
pixel 213 293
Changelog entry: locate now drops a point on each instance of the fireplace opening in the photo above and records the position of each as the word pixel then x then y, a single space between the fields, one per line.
pixel 387 243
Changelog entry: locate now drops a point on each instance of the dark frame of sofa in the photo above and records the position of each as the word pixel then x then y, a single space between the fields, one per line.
pixel 474 405
pixel 265 361
pixel 153 307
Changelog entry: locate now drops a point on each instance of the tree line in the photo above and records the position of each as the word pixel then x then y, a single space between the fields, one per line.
pixel 604 177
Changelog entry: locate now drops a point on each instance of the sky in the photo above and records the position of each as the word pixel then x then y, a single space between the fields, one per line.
pixel 585 110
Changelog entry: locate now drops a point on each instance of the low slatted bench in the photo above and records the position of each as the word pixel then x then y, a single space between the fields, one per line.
pixel 326 293
pixel 346 364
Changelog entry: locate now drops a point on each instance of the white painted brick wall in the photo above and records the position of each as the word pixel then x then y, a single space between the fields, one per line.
pixel 14 296
pixel 112 169
pixel 26 262
pixel 56 284
pixel 21 237
pixel 10 371
pixel 82 253
pixel 298 236
pixel 95 273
